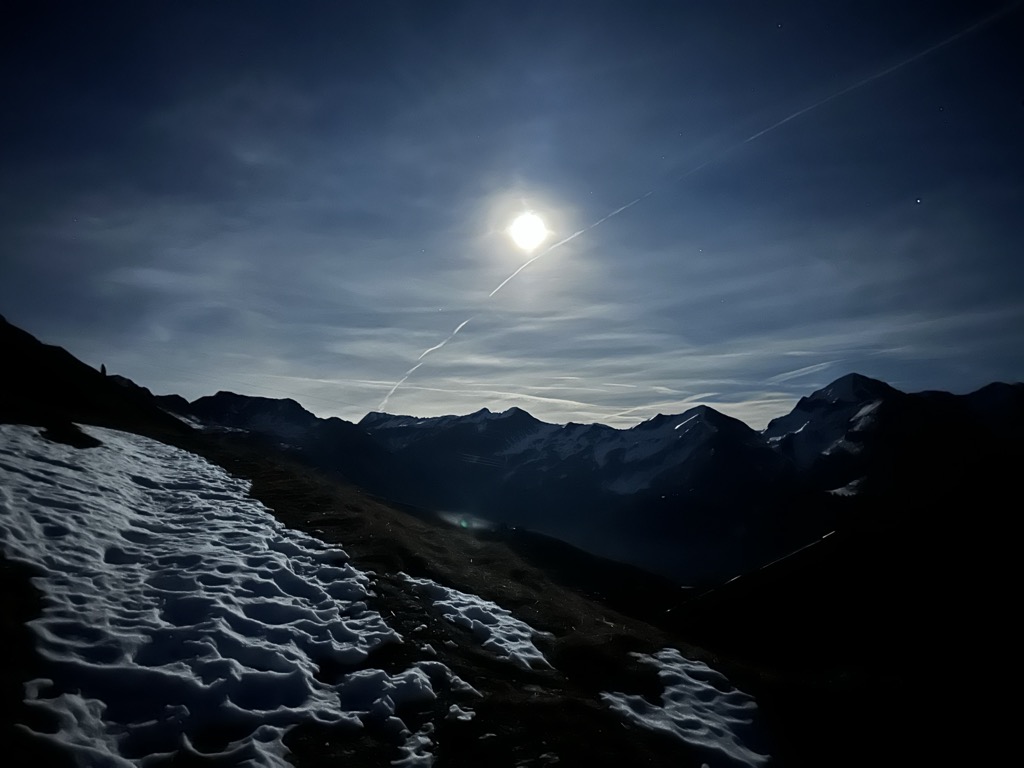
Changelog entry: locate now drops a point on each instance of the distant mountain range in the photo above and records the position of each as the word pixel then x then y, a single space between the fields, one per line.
pixel 699 497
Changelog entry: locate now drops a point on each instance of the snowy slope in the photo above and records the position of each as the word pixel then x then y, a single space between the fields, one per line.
pixel 176 607
pixel 829 422
pixel 699 706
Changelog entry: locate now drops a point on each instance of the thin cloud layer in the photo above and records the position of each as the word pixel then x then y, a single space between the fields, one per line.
pixel 306 205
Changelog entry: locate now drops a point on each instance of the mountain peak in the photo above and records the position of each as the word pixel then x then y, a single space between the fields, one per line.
pixel 853 388
pixel 372 418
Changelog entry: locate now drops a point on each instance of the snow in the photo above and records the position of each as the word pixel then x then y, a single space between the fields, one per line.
pixel 562 442
pixel 455 712
pixel 636 444
pixel 700 707
pixel 686 421
pixel 843 445
pixel 850 489
pixel 496 629
pixel 176 605
pixel 416 749
pixel 807 437
pixel 864 418
pixel 852 388
pixel 640 454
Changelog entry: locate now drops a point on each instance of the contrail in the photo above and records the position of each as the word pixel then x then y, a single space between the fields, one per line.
pixel 839 94
pixel 398 383
pixel 436 347
pixel 425 352
pixel 799 113
pixel 573 236
pixel 888 71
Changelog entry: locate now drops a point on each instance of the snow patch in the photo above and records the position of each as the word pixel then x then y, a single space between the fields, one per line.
pixel 850 489
pixel 416 749
pixel 700 707
pixel 684 422
pixel 496 629
pixel 864 417
pixel 455 712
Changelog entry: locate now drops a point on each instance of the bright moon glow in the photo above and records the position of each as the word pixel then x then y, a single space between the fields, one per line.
pixel 528 231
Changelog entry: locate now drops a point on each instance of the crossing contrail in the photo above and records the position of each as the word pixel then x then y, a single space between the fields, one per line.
pixel 425 352
pixel 573 236
pixel 799 113
pixel 718 156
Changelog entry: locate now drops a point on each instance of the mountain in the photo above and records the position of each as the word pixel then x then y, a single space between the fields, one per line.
pixel 699 496
pixel 674 494
pixel 174 620
pixel 284 418
pixel 844 639
pixel 47 386
pixel 333 444
pixel 904 455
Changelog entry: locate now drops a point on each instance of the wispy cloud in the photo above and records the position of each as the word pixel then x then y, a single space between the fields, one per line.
pixel 800 372
pixel 313 220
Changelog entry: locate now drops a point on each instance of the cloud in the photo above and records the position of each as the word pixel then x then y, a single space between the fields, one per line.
pixel 800 372
pixel 306 208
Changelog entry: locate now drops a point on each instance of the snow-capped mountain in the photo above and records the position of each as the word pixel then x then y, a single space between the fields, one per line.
pixel 615 492
pixel 697 496
pixel 666 495
pixel 861 436
pixel 825 430
pixel 660 454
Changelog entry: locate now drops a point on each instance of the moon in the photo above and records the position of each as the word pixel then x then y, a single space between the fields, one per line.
pixel 528 231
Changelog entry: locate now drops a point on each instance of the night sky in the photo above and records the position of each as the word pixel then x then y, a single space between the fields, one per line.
pixel 299 199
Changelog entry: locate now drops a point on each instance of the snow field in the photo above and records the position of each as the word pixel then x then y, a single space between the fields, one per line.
pixel 700 707
pixel 176 606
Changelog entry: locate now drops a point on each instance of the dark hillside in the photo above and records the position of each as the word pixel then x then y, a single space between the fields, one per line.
pixel 47 386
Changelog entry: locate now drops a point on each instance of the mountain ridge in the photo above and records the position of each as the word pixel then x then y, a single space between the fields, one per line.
pixel 675 488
